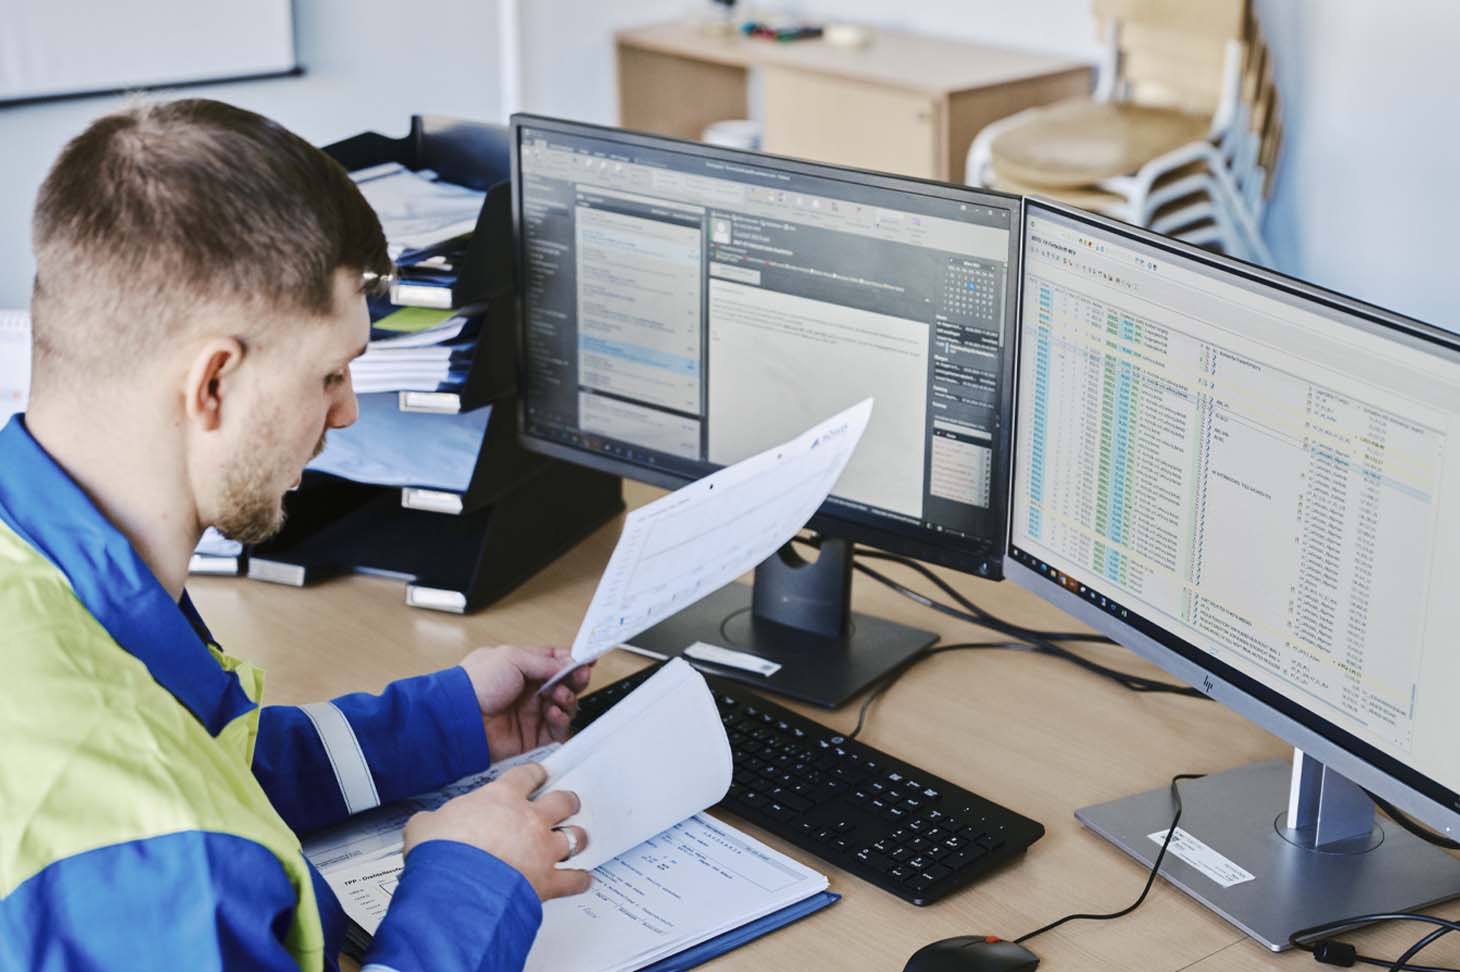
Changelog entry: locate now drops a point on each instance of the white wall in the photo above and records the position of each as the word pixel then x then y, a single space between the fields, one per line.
pixel 1368 192
pixel 370 64
pixel 1368 195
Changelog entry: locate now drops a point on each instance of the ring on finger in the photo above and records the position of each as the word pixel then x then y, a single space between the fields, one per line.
pixel 572 836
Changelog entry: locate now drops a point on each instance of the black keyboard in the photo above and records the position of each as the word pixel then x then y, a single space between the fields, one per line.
pixel 884 820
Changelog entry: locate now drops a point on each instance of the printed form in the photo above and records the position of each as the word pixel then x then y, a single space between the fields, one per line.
pixel 698 879
pixel 701 537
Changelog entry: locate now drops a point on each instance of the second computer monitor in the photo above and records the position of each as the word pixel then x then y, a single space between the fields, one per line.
pixel 686 307
pixel 1253 482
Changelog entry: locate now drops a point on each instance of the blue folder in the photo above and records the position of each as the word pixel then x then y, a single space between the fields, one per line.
pixel 749 932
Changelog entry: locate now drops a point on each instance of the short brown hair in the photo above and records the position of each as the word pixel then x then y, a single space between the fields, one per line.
pixel 160 208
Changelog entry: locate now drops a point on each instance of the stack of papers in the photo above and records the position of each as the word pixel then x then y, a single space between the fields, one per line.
pixel 416 349
pixel 388 447
pixel 417 213
pixel 666 876
pixel 215 554
pixel 14 362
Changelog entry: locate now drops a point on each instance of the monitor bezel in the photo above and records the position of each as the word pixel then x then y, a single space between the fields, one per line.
pixel 986 562
pixel 1409 789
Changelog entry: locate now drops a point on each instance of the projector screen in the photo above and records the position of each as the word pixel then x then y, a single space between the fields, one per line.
pixel 59 48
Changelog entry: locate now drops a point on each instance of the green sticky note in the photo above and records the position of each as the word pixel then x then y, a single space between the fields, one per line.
pixel 409 320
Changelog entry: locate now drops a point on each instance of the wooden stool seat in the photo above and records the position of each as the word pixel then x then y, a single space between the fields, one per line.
pixel 1077 143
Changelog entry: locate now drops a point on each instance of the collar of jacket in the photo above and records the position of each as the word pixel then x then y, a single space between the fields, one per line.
pixel 46 508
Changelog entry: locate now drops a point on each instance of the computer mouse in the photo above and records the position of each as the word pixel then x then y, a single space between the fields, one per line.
pixel 972 953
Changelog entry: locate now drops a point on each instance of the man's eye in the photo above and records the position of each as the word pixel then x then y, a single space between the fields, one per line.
pixel 331 380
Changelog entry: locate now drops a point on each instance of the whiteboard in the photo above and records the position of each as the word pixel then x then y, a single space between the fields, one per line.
pixel 54 48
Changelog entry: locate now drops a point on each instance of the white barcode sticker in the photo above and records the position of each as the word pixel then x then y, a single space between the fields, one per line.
pixel 716 655
pixel 1220 869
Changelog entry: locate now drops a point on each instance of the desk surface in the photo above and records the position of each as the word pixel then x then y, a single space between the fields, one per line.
pixel 915 62
pixel 1036 734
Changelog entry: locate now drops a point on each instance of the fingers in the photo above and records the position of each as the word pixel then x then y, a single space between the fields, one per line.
pixel 539 664
pixel 557 805
pixel 523 780
pixel 565 881
pixel 574 839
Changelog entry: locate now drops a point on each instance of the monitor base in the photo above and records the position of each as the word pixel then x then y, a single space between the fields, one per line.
pixel 1255 873
pixel 824 670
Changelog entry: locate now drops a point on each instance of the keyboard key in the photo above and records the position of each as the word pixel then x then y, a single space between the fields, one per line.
pixel 876 861
pixel 962 858
pixel 937 872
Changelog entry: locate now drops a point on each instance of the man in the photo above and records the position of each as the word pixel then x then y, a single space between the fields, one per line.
pixel 198 300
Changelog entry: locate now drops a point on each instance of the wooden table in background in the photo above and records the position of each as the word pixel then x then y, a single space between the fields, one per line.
pixel 1033 733
pixel 904 103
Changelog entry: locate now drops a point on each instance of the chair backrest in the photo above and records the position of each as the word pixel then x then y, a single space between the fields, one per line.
pixel 1172 53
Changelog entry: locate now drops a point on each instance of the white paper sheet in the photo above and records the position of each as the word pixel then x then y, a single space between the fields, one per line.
pixel 699 538
pixel 697 879
pixel 14 362
pixel 656 757
pixel 214 544
pixel 415 211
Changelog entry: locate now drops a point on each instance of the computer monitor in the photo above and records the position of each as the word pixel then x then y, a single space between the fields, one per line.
pixel 684 306
pixel 1255 484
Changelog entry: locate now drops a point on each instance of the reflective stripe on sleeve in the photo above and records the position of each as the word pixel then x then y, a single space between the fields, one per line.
pixel 352 773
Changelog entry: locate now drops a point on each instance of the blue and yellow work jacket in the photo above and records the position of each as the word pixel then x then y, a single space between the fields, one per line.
pixel 149 807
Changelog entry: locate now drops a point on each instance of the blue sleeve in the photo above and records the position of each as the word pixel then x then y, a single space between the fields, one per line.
pixel 196 900
pixel 321 763
pixel 456 909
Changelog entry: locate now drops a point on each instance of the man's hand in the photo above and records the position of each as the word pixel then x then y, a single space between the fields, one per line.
pixel 506 679
pixel 499 819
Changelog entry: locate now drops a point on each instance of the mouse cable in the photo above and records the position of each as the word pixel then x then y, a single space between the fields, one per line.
pixel 1411 825
pixel 886 682
pixel 1036 640
pixel 1155 869
pixel 1334 952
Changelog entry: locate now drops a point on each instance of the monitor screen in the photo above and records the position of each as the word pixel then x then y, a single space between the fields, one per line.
pixel 1256 477
pixel 684 307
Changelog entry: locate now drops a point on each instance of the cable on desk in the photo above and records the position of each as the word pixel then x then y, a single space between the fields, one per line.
pixel 986 618
pixel 891 677
pixel 1155 869
pixel 1038 641
pixel 1333 952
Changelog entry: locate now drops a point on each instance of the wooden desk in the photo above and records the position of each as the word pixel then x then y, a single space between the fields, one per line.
pixel 905 103
pixel 1036 734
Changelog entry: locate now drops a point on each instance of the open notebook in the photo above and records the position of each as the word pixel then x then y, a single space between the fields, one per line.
pixel 669 880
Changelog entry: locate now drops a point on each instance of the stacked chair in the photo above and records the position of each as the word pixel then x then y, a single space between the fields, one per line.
pixel 1181 136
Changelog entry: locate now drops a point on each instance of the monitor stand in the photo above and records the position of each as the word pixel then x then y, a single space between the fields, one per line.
pixel 798 615
pixel 1272 872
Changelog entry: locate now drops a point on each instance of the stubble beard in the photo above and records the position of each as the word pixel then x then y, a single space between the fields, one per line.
pixel 252 509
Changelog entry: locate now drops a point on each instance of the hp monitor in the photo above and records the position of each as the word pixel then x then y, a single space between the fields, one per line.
pixel 683 307
pixel 1256 485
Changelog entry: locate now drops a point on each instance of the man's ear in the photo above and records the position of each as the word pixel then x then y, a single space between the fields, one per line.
pixel 216 361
